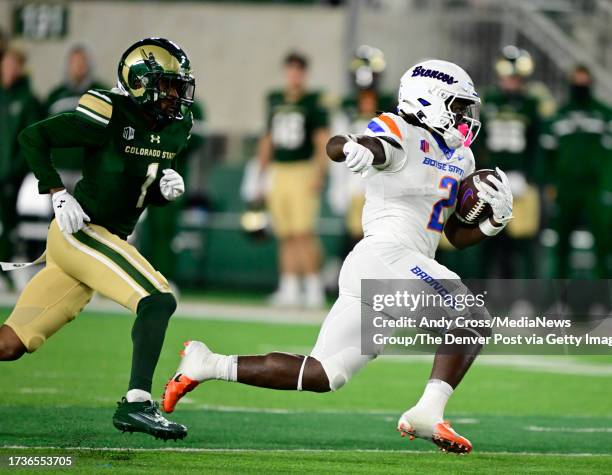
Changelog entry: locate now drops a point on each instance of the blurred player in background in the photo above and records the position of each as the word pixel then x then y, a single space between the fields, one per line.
pixel 578 141
pixel 511 127
pixel 293 148
pixel 346 189
pixel 78 79
pixel 3 45
pixel 413 162
pixel 18 109
pixel 133 135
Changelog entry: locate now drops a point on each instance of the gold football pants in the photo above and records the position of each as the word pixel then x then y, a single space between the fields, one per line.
pixel 90 260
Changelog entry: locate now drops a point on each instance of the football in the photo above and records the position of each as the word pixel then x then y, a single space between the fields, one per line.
pixel 470 209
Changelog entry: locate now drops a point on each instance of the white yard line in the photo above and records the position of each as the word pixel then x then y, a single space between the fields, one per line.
pixel 289 451
pixel 579 430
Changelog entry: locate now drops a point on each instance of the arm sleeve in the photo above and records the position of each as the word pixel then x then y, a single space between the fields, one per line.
pixel 85 127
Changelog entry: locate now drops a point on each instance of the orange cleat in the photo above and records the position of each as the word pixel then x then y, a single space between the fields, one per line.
pixel 175 389
pixel 443 436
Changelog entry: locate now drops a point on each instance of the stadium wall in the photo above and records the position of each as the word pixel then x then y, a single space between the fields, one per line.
pixel 236 50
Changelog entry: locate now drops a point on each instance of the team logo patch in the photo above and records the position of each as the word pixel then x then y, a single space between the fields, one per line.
pixel 424 146
pixel 155 138
pixel 128 133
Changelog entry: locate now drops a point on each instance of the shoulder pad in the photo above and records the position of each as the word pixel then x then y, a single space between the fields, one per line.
pixel 96 106
pixel 386 124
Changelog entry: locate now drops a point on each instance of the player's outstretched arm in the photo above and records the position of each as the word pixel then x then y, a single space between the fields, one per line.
pixel 336 152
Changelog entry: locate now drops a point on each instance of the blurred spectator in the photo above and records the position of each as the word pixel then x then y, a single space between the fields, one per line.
pixel 346 189
pixel 3 43
pixel 161 224
pixel 78 79
pixel 579 145
pixel 18 109
pixel 510 132
pixel 294 149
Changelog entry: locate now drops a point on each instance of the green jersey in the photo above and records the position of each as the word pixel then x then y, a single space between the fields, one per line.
pixel 65 98
pixel 124 156
pixel 292 124
pixel 578 142
pixel 510 129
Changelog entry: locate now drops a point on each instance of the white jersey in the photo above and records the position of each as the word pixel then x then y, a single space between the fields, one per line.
pixel 410 196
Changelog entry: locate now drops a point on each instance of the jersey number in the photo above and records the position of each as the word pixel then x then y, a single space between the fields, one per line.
pixel 151 174
pixel 288 130
pixel 446 183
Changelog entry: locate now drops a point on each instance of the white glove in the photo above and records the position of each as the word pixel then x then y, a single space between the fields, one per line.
pixel 358 157
pixel 69 215
pixel 500 199
pixel 171 184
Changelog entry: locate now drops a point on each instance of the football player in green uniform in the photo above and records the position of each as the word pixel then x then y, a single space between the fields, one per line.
pixel 510 138
pixel 293 150
pixel 132 136
pixel 358 108
pixel 578 142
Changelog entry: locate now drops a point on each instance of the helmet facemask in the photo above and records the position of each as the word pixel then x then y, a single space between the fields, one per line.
pixel 456 119
pixel 169 93
pixel 464 124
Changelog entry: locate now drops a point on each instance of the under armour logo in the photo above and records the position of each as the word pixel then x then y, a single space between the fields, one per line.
pixel 61 203
pixel 155 138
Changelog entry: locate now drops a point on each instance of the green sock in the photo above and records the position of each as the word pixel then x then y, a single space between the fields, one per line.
pixel 148 335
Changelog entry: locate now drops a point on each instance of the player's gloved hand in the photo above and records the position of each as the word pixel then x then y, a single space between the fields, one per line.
pixel 500 199
pixel 69 215
pixel 358 157
pixel 171 184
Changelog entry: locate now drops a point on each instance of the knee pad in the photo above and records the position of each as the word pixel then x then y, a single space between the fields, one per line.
pixel 341 366
pixel 164 305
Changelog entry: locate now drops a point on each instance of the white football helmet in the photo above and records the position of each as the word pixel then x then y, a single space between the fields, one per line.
pixel 441 95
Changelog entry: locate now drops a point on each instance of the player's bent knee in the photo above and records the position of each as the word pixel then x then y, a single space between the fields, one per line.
pixel 164 303
pixel 314 378
pixel 341 367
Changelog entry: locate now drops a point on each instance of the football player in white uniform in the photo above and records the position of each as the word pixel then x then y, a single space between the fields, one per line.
pixel 412 162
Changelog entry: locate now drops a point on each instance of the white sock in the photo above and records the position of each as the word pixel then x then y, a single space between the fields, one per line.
pixel 137 395
pixel 216 366
pixel 289 284
pixel 312 283
pixel 435 397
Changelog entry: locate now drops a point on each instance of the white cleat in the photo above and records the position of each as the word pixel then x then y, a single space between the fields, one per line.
pixel 416 424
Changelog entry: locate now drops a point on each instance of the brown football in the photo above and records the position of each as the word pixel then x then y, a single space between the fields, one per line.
pixel 470 209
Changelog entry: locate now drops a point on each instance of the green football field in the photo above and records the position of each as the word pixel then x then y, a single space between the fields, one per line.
pixel 530 414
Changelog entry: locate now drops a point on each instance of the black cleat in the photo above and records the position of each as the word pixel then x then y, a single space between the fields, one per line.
pixel 145 417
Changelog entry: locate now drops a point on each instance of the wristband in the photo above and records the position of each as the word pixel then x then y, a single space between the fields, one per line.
pixel 488 229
